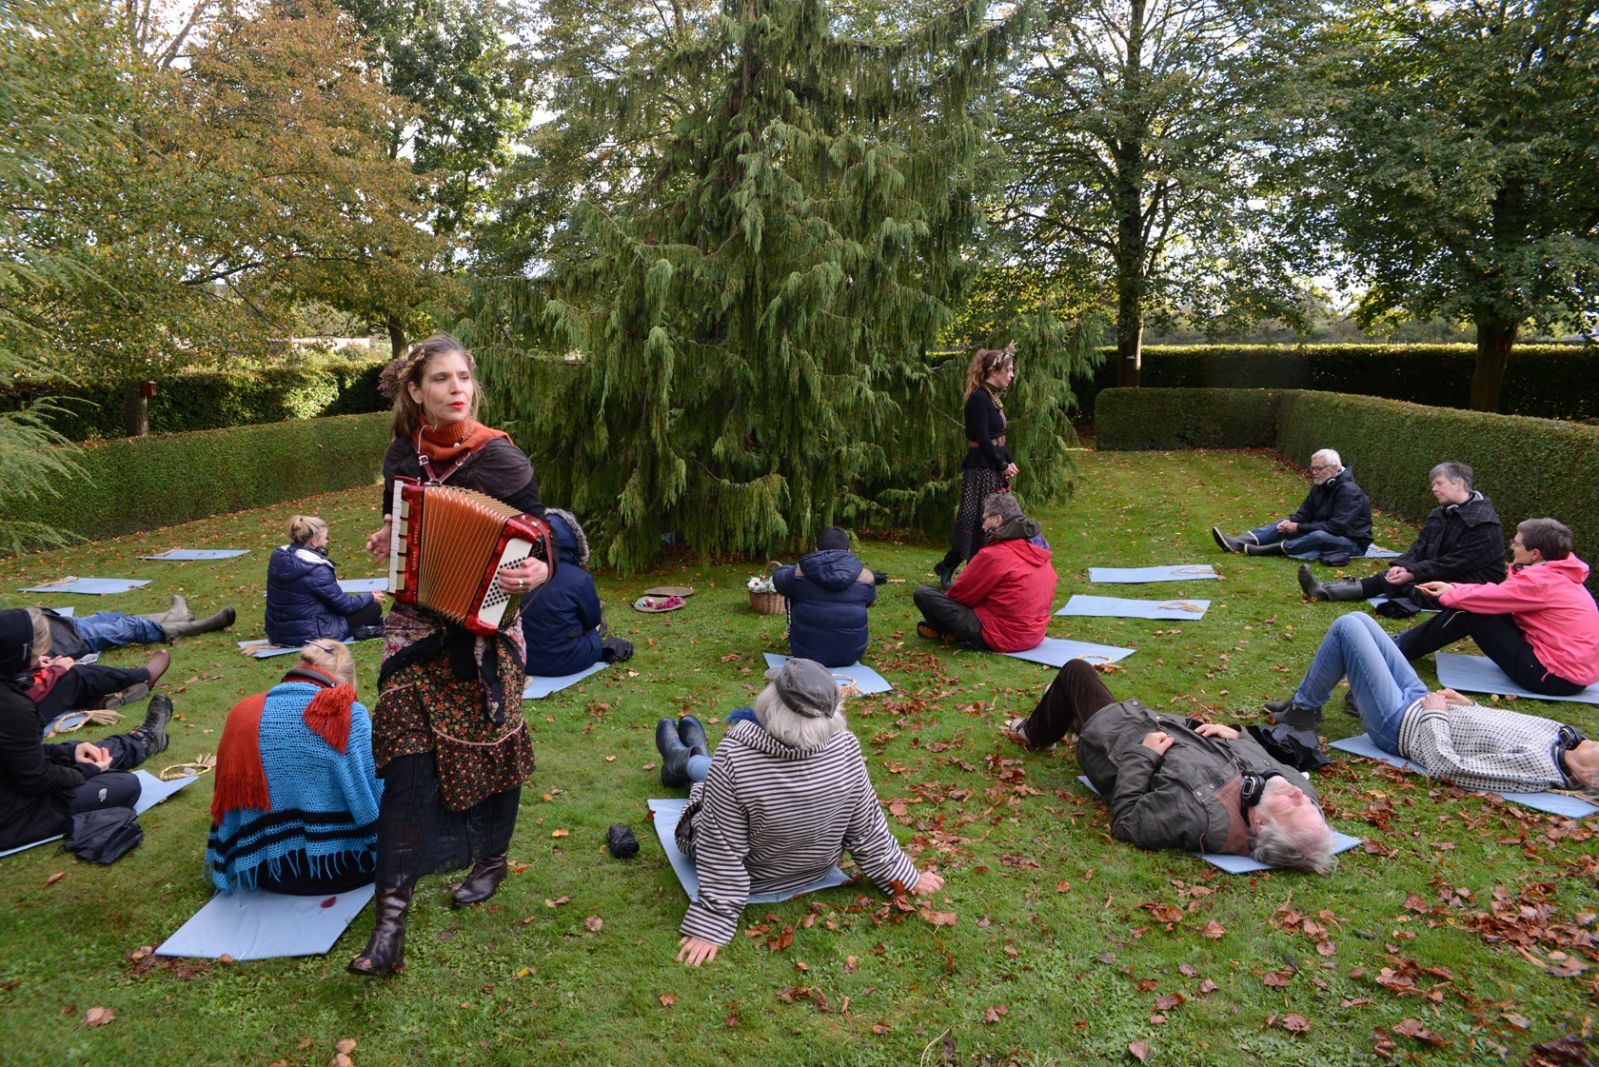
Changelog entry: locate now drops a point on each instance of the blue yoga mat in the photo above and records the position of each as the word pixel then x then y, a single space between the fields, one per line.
pixel 1375 600
pixel 200 553
pixel 1479 674
pixel 152 791
pixel 866 680
pixel 1373 552
pixel 364 585
pixel 66 613
pixel 668 812
pixel 263 649
pixel 1115 607
pixel 89 586
pixel 1553 803
pixel 256 925
pixel 537 688
pixel 1246 864
pixel 1057 651
pixel 1182 572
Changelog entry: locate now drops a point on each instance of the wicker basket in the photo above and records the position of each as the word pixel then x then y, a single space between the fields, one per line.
pixel 768 603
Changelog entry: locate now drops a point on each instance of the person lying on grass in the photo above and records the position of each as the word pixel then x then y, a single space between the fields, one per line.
pixel 784 796
pixel 1179 783
pixel 1447 734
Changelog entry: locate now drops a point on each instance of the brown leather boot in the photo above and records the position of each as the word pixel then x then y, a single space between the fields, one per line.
pixel 482 880
pixel 385 949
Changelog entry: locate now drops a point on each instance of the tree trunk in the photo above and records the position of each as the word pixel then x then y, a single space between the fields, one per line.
pixel 135 410
pixel 1495 338
pixel 397 338
pixel 1130 163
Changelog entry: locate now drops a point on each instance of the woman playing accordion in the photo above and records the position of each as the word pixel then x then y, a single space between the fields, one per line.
pixel 448 737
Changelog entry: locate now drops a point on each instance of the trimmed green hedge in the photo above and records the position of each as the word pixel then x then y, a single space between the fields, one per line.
pixel 209 400
pixel 1530 467
pixel 140 483
pixel 1542 379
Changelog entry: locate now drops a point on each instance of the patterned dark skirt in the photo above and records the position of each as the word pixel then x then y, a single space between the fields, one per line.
pixel 976 484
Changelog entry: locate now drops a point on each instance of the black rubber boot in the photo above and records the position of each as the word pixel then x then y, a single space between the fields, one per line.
pixel 1296 715
pixel 482 880
pixel 692 733
pixel 385 949
pixel 1273 549
pixel 1225 543
pixel 178 612
pixel 220 621
pixel 674 755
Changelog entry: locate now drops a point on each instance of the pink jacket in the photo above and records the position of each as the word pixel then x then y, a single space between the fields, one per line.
pixel 1548 601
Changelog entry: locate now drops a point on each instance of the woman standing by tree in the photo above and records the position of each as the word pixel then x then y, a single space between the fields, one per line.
pixel 448 738
pixel 987 466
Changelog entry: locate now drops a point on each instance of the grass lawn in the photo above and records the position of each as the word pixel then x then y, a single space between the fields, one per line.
pixel 1445 939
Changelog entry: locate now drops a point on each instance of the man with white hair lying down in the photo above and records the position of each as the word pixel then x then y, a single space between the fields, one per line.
pixel 1181 783
pixel 783 797
pixel 1333 524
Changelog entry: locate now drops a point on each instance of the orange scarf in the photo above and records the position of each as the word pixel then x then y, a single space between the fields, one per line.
pixel 454 441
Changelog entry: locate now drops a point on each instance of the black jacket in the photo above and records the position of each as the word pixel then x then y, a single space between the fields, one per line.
pixel 985 425
pixel 1459 543
pixel 1338 506
pixel 35 778
pixel 499 469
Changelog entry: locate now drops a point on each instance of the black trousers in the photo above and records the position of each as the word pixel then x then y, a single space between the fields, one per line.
pixel 115 788
pixel 949 616
pixel 371 615
pixel 1500 639
pixel 85 686
pixel 1377 585
pixel 1067 704
pixel 356 869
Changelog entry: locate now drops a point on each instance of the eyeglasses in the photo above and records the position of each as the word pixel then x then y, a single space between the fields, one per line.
pixel 1321 466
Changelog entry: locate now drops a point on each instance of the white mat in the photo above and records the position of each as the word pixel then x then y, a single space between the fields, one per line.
pixel 255 925
pixel 866 680
pixel 1057 651
pixel 1553 803
pixel 1246 864
pixel 669 811
pixel 152 791
pixel 364 585
pixel 1183 572
pixel 261 648
pixel 1115 607
pixel 1479 674
pixel 200 553
pixel 89 586
pixel 537 688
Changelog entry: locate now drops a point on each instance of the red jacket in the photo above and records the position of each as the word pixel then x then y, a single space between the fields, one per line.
pixel 1548 601
pixel 1011 585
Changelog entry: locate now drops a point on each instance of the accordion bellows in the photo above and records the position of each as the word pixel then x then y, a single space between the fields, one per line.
pixel 448 546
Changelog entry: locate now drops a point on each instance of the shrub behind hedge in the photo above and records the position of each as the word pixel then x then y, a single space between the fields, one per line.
pixel 1530 467
pixel 206 400
pixel 140 483
pixel 1542 379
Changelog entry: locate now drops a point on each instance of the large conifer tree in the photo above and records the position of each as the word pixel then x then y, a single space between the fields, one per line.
pixel 750 307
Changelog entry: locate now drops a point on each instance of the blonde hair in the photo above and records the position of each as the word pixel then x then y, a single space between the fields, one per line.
pixel 332 658
pixel 41 631
pixel 409 369
pixel 986 361
pixel 303 529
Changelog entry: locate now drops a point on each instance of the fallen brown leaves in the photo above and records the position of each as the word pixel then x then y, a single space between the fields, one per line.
pixel 98 1016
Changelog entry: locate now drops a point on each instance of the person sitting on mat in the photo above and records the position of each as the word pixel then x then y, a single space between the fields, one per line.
pixel 1333 524
pixel 785 795
pixel 1540 625
pixel 1461 541
pixel 75 637
pixel 1448 735
pixel 295 802
pixel 828 592
pixel 43 786
pixel 1181 783
pixel 1001 601
pixel 60 683
pixel 561 619
pixel 303 598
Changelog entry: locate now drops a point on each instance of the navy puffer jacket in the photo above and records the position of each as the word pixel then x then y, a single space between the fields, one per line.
pixel 827 605
pixel 560 618
pixel 303 598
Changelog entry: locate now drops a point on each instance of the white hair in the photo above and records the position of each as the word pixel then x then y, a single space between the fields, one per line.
pixel 803 732
pixel 1310 850
pixel 1328 456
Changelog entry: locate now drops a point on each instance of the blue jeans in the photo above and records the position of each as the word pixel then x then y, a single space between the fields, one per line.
pixel 1379 676
pixel 112 629
pixel 1305 546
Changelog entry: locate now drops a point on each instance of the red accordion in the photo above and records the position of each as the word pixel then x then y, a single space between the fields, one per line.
pixel 448 546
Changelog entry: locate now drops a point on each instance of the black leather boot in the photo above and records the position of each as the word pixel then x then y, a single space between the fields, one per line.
pixel 482 880
pixel 1296 715
pixel 385 949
